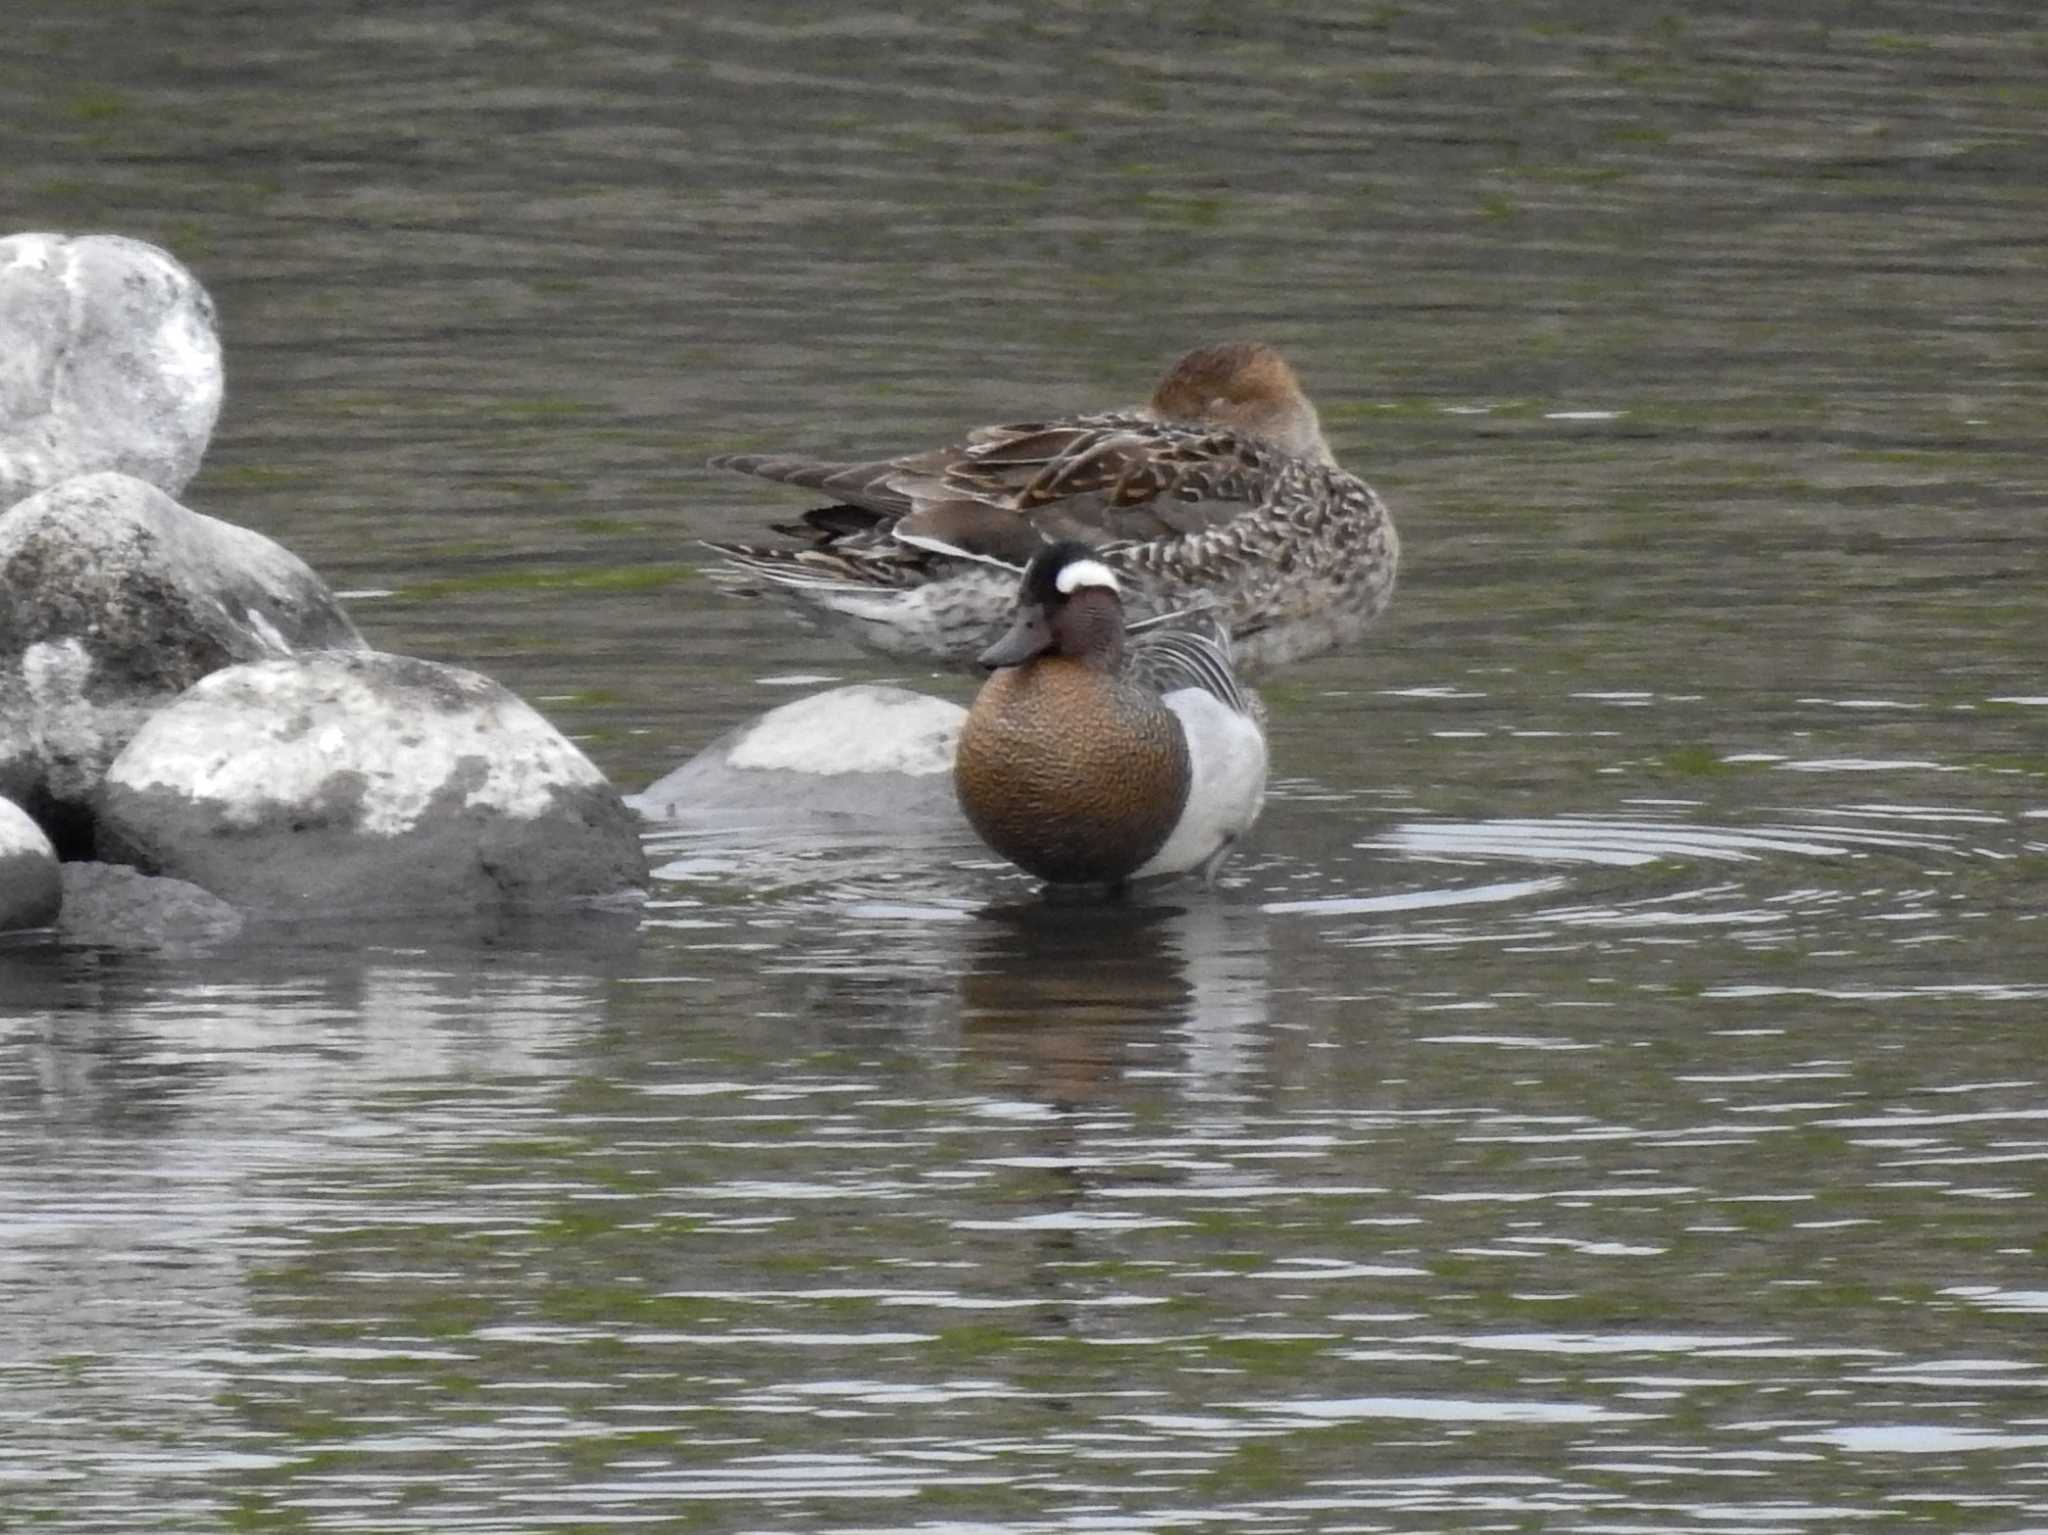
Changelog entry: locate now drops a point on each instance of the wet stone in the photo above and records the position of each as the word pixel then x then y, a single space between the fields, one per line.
pixel 28 871
pixel 113 600
pixel 108 905
pixel 367 784
pixel 867 750
pixel 109 359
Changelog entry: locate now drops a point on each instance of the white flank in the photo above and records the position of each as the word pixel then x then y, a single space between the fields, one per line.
pixel 957 613
pixel 1085 573
pixel 1227 754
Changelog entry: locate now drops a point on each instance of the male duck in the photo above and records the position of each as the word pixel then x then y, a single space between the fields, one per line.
pixel 1220 492
pixel 1087 759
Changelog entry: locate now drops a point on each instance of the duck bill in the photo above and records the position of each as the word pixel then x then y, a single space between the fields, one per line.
pixel 1028 637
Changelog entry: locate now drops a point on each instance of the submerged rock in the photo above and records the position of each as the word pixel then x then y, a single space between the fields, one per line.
pixel 108 360
pixel 354 783
pixel 868 750
pixel 113 600
pixel 29 887
pixel 114 907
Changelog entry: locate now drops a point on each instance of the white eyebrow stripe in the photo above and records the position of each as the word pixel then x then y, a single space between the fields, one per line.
pixel 1085 573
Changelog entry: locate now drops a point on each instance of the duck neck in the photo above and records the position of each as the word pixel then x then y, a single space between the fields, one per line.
pixel 1091 629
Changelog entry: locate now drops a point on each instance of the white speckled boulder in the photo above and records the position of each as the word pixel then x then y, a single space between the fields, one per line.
pixel 108 360
pixel 359 783
pixel 29 888
pixel 867 750
pixel 113 600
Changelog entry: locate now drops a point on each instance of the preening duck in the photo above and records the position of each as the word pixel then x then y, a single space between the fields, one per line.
pixel 1220 491
pixel 1094 757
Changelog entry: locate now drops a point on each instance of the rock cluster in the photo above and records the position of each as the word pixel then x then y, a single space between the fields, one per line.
pixel 114 598
pixel 187 701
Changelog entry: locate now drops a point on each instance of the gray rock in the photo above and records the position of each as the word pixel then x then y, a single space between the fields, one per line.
pixel 113 600
pixel 114 907
pixel 29 886
pixel 364 784
pixel 868 750
pixel 108 360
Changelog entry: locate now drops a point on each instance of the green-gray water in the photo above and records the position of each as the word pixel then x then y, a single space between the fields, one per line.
pixel 1610 1095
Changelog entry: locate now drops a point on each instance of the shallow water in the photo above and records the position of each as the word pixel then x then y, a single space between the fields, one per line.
pixel 1609 1095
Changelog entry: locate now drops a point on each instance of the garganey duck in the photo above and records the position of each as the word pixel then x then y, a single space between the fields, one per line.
pixel 1093 758
pixel 1219 492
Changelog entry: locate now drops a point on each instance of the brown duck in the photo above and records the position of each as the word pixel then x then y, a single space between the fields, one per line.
pixel 1219 490
pixel 1094 757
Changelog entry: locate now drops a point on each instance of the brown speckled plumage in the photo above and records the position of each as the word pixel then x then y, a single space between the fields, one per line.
pixel 1219 490
pixel 1073 775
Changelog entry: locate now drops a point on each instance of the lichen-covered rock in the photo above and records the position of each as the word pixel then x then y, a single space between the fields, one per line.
pixel 867 750
pixel 113 600
pixel 110 906
pixel 29 887
pixel 366 784
pixel 108 360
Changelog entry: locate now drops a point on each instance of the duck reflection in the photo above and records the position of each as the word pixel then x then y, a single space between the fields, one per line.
pixel 1107 1014
pixel 1087 991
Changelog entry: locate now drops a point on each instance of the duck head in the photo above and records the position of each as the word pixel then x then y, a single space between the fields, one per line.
pixel 1248 387
pixel 1069 604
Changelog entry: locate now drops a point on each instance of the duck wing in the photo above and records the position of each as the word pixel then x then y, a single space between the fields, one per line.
pixel 1113 478
pixel 1194 652
pixel 1103 479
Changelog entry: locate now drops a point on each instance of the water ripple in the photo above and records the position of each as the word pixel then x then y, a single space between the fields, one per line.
pixel 1622 842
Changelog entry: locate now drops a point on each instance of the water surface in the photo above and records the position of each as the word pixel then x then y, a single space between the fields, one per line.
pixel 1608 1096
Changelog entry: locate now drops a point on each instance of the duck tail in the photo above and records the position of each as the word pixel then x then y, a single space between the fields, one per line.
pixel 756 570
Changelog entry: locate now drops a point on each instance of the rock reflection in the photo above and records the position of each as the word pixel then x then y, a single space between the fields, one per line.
pixel 214 1052
pixel 190 1133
